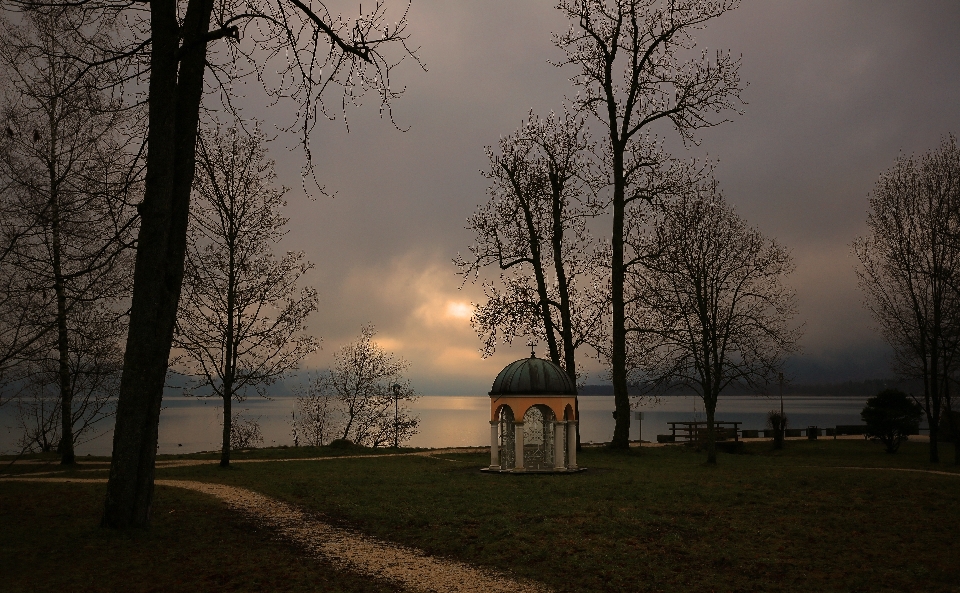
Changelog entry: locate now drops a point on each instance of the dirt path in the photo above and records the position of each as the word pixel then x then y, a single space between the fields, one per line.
pixel 408 567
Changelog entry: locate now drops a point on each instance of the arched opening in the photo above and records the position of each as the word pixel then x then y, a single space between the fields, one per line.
pixel 538 437
pixel 505 437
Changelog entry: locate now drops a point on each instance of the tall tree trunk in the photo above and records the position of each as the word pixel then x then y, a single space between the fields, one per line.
pixel 175 91
pixel 65 447
pixel 953 421
pixel 566 320
pixel 230 354
pixel 63 354
pixel 934 440
pixel 711 409
pixel 621 431
pixel 933 421
pixel 935 395
pixel 351 414
pixel 537 261
pixel 227 425
pixel 934 406
pixel 930 405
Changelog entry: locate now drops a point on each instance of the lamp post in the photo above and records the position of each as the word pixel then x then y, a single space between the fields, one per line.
pixel 396 415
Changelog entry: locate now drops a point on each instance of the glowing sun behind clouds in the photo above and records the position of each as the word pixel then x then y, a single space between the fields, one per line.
pixel 459 310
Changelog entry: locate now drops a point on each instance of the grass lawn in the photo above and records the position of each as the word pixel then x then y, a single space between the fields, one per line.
pixel 50 542
pixel 655 520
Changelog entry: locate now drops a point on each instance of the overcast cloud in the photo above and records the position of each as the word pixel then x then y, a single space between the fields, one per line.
pixel 837 89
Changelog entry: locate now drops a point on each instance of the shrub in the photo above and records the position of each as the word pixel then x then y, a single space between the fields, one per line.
pixel 890 416
pixel 778 422
pixel 245 433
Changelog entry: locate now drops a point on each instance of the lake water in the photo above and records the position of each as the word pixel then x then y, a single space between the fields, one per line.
pixel 192 424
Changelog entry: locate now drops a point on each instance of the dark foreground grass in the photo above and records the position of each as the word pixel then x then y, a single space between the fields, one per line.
pixel 658 520
pixel 49 541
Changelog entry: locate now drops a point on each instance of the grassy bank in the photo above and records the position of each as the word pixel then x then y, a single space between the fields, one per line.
pixel 657 520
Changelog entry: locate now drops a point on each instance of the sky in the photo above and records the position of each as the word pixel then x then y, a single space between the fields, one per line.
pixel 837 90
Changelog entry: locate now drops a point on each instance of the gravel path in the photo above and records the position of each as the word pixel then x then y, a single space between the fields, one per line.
pixel 410 568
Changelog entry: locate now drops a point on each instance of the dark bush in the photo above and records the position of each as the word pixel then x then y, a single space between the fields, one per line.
pixel 344 444
pixel 778 422
pixel 890 416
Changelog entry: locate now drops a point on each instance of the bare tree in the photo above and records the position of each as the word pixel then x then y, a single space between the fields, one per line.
pixel 66 174
pixel 22 309
pixel 315 415
pixel 910 272
pixel 371 393
pixel 245 432
pixel 93 363
pixel 21 313
pixel 636 68
pixel 709 305
pixel 241 324
pixel 533 230
pixel 297 50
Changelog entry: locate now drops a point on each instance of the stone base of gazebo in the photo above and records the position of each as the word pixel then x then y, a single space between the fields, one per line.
pixel 550 470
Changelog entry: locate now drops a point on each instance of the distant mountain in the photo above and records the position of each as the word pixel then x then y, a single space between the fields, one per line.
pixel 865 389
pixel 180 384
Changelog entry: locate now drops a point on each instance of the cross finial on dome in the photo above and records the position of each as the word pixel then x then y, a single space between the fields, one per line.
pixel 532 343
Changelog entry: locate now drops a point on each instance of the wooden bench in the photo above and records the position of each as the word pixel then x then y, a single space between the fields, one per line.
pixel 692 432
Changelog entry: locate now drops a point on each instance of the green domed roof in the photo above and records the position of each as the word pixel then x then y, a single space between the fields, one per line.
pixel 532 376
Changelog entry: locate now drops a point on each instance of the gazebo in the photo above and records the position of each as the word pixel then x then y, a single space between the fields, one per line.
pixel 533 419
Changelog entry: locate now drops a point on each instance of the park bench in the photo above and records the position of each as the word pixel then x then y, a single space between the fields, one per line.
pixel 696 432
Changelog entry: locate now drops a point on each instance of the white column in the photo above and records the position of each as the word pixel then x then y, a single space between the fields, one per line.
pixel 518 438
pixel 558 439
pixel 494 445
pixel 571 444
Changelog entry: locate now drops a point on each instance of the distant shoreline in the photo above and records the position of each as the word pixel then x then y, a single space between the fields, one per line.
pixel 867 388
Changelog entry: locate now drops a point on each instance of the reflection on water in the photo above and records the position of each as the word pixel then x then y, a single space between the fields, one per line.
pixel 192 424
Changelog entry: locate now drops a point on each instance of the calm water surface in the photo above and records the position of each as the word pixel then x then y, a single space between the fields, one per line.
pixel 191 424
